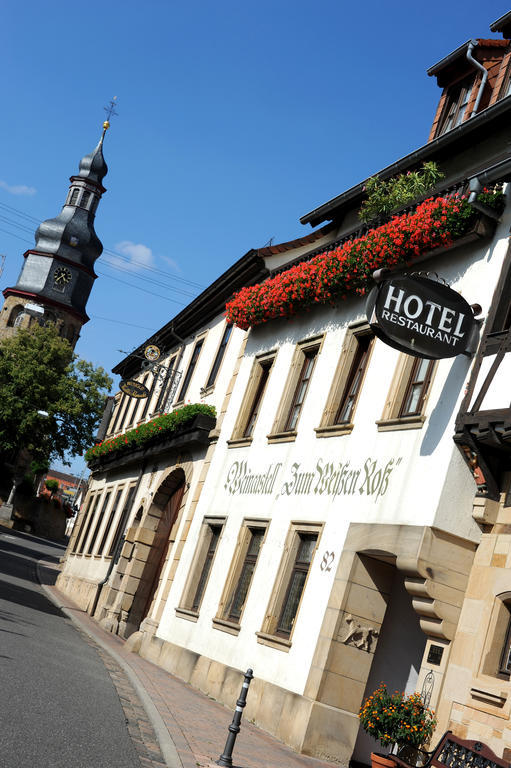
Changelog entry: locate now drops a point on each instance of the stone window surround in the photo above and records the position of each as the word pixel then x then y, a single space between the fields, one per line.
pixel 391 419
pixel 222 620
pixel 88 519
pixel 218 359
pixel 262 361
pixel 278 432
pixel 185 608
pixel 198 340
pixel 328 427
pixel 87 508
pixel 267 635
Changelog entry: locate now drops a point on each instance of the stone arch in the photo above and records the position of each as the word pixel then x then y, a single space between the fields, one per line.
pixel 153 538
pixel 431 567
pixel 15 315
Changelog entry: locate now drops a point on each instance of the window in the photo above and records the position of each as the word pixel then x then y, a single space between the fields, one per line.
pixel 121 402
pixel 109 522
pixel 168 386
pixel 85 199
pixel 505 659
pixel 136 405
pixel 82 524
pixel 201 569
pixel 98 522
pixel 408 394
pixel 191 367
pixel 302 386
pixel 219 356
pixel 301 544
pixel 506 85
pixel 87 523
pixel 458 97
pixel 496 657
pixel 148 399
pixel 347 384
pixel 297 386
pixel 126 404
pixel 239 580
pixel 299 572
pixel 74 196
pixel 499 317
pixel 253 399
pixel 121 524
pixel 416 388
pixel 15 316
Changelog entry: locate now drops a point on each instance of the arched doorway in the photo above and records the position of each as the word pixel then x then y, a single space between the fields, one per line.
pixel 160 547
pixel 158 525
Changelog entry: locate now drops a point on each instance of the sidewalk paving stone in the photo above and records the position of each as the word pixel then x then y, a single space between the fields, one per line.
pixel 196 724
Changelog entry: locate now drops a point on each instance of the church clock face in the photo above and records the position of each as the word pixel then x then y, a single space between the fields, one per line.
pixel 61 277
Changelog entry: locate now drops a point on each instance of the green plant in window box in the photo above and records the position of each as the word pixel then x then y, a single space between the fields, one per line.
pixel 385 196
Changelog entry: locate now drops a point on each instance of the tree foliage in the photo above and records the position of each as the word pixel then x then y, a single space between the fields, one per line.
pixel 40 372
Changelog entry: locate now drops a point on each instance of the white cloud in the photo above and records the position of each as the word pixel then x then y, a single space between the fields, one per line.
pixel 175 266
pixel 139 255
pixel 17 189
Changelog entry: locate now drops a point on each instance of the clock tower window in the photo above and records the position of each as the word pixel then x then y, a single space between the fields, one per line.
pixel 73 197
pixel 85 200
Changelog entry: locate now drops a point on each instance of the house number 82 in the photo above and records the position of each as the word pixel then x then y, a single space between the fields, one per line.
pixel 328 559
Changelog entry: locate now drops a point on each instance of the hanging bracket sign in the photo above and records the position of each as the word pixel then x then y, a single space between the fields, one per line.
pixel 134 388
pixel 421 317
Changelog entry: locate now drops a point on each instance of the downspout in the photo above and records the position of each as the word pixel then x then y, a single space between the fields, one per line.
pixel 482 69
pixel 116 550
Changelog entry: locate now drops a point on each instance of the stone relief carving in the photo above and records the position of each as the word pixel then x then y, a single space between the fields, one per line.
pixel 358 635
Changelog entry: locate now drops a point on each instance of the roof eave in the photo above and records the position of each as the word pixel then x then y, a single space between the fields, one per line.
pixel 333 208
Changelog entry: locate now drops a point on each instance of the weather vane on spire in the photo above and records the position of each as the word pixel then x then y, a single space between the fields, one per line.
pixel 110 111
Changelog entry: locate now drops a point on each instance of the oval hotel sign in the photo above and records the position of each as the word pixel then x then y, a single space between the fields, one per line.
pixel 133 388
pixel 421 317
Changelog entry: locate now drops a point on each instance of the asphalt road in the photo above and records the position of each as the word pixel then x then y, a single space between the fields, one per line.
pixel 58 706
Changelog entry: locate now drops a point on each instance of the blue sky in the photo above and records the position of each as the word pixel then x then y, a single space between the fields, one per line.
pixel 235 119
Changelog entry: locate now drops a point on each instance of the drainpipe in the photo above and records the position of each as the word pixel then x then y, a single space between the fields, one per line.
pixel 482 69
pixel 116 550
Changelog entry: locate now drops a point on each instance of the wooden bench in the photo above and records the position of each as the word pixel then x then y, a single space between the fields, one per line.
pixel 453 752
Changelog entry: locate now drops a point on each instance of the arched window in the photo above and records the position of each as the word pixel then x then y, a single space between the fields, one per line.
pixel 73 196
pixel 85 200
pixel 16 316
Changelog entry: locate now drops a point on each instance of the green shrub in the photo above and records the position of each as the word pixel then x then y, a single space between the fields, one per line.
pixel 383 197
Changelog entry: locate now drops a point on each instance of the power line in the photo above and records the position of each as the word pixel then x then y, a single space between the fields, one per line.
pixel 139 288
pixel 150 268
pixel 149 280
pixel 121 322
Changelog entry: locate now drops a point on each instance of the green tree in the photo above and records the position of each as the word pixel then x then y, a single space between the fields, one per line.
pixel 52 485
pixel 40 372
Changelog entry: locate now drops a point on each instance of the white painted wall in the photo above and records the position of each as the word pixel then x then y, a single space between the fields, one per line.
pixel 428 483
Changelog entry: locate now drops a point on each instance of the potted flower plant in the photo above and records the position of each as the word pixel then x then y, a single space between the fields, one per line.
pixel 396 720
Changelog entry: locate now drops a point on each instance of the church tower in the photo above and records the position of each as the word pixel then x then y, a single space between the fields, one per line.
pixel 58 273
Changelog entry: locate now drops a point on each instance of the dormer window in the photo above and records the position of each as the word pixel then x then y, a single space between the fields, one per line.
pixel 74 196
pixel 458 97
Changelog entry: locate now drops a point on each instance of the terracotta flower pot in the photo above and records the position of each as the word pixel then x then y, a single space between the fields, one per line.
pixel 382 761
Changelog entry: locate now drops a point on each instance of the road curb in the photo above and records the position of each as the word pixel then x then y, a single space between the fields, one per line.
pixel 167 746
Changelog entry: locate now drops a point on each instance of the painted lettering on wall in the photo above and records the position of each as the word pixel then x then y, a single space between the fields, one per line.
pixel 241 479
pixel 327 478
